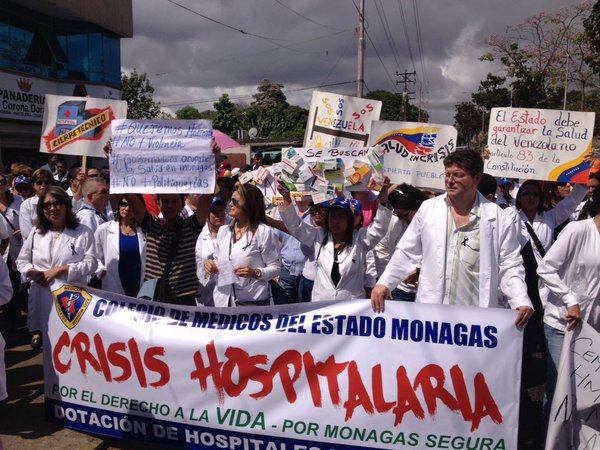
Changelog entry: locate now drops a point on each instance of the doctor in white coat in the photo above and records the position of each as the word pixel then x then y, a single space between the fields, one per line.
pixel 340 250
pixel 121 252
pixel 59 247
pixel 466 246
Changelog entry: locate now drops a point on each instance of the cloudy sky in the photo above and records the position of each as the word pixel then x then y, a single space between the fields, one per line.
pixel 192 60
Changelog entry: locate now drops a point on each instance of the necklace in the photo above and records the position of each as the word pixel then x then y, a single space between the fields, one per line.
pixel 239 232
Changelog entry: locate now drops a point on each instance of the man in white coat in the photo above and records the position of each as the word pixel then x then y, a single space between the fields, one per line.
pixel 92 212
pixel 466 247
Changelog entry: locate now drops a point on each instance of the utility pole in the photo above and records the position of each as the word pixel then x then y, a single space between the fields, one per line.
pixel 360 76
pixel 407 77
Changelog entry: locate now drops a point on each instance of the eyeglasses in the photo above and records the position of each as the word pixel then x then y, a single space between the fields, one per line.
pixel 54 204
pixel 42 182
pixel 234 202
pixel 123 204
pixel 3 181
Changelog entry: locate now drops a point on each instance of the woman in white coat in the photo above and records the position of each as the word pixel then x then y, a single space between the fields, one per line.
pixel 246 252
pixel 41 180
pixel 121 252
pixel 59 247
pixel 571 271
pixel 205 250
pixel 340 250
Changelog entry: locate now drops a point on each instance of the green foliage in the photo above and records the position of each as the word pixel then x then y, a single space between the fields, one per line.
pixel 592 35
pixel 492 93
pixel 468 119
pixel 226 118
pixel 137 91
pixel 187 113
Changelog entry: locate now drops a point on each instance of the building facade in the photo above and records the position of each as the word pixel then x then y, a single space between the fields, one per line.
pixel 61 47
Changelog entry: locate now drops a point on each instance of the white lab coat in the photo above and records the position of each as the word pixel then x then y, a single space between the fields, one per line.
pixel 352 260
pixel 15 243
pixel 75 248
pixel 107 253
pixel 205 250
pixel 424 245
pixel 28 215
pixel 6 292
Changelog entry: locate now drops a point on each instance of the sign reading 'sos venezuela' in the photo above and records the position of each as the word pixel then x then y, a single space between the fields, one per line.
pixel 79 125
pixel 324 375
pixel 336 120
pixel 415 151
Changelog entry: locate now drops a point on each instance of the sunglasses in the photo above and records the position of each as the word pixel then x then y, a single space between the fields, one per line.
pixel 54 204
pixel 123 204
pixel 316 211
pixel 234 202
pixel 42 182
pixel 3 181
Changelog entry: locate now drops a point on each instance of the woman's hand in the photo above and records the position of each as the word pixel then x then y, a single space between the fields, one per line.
pixel 17 234
pixel 383 194
pixel 54 273
pixel 37 276
pixel 210 267
pixel 108 147
pixel 573 317
pixel 285 193
pixel 245 272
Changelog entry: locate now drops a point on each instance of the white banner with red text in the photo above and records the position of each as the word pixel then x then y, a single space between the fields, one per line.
pixel 326 375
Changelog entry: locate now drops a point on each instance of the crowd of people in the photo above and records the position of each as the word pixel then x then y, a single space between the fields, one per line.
pixel 532 247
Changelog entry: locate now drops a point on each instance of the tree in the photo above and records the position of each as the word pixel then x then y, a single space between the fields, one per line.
pixel 137 91
pixel 491 93
pixel 392 107
pixel 592 34
pixel 269 94
pixel 187 113
pixel 535 53
pixel 226 119
pixel 468 120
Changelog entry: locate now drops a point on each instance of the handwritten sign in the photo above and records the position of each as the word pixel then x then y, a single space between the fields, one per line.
pixel 313 375
pixel 575 413
pixel 162 156
pixel 415 151
pixel 336 120
pixel 79 125
pixel 539 144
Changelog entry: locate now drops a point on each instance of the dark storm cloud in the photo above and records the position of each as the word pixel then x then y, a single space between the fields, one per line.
pixel 192 60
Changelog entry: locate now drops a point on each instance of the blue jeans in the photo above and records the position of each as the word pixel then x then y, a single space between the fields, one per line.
pixel 554 343
pixel 403 296
pixel 306 288
pixel 289 288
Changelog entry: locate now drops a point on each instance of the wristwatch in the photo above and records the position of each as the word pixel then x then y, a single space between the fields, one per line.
pixel 257 273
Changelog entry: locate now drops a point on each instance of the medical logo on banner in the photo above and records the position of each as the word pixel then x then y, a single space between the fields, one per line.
pixel 414 152
pixel 539 144
pixel 326 375
pixel 79 125
pixel 162 157
pixel 575 414
pixel 336 120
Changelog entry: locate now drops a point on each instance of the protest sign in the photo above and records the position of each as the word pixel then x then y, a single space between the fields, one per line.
pixel 539 144
pixel 336 120
pixel 79 125
pixel 162 156
pixel 415 152
pixel 326 375
pixel 575 414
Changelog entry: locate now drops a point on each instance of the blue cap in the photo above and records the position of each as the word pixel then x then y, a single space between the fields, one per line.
pixel 21 179
pixel 217 201
pixel 504 182
pixel 338 202
pixel 356 206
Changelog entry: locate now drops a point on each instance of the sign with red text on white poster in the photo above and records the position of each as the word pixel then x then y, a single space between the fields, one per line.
pixel 414 152
pixel 336 120
pixel 79 125
pixel 326 375
pixel 539 144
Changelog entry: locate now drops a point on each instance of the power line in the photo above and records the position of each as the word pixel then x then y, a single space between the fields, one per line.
pixel 387 32
pixel 241 97
pixel 406 34
pixel 420 43
pixel 305 17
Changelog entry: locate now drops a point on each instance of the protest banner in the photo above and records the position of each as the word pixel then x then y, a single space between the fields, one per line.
pixel 162 156
pixel 539 144
pixel 322 375
pixel 79 125
pixel 336 120
pixel 415 151
pixel 575 414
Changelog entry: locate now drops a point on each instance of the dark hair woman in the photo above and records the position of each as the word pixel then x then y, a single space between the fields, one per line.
pixel 40 180
pixel 58 247
pixel 340 249
pixel 246 249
